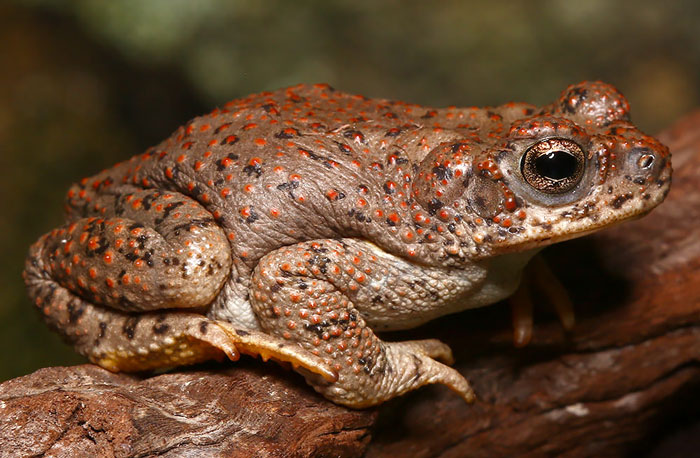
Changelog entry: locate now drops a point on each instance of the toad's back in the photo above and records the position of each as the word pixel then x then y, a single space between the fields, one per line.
pixel 301 163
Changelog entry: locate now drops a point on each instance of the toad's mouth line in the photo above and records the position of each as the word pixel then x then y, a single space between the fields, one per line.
pixel 545 240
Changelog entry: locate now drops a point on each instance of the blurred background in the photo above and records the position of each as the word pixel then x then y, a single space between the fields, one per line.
pixel 87 83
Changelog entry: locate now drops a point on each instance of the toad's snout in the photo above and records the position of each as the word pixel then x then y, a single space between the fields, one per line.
pixel 644 166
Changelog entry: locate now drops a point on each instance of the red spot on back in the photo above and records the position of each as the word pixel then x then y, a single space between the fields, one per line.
pixel 229 140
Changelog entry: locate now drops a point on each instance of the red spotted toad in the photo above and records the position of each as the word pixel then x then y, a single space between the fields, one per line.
pixel 294 224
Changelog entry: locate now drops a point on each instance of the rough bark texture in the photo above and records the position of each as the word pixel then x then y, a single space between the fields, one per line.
pixel 626 374
pixel 235 411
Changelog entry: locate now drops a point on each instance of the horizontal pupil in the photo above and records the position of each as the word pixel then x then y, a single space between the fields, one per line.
pixel 556 165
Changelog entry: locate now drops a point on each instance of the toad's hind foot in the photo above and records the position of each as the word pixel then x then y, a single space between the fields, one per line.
pixel 407 366
pixel 187 339
pixel 256 343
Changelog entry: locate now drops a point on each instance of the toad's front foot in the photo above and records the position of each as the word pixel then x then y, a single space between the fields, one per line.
pixel 541 276
pixel 399 367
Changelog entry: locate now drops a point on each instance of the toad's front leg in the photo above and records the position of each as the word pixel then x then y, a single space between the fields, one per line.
pixel 315 295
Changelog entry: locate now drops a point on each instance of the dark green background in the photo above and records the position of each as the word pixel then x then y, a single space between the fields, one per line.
pixel 86 83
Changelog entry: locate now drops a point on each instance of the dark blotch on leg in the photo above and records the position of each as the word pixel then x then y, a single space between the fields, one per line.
pixel 129 328
pixel 160 328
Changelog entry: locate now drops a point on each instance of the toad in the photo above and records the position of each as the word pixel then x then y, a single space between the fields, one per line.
pixel 297 224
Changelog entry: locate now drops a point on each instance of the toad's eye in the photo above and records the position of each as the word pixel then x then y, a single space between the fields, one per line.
pixel 553 166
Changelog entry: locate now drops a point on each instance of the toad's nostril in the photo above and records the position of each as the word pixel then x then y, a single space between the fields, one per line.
pixel 645 161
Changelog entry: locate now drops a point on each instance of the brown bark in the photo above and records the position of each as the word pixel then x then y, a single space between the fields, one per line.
pixel 610 387
pixel 244 410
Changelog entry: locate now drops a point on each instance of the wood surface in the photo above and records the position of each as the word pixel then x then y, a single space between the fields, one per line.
pixel 628 373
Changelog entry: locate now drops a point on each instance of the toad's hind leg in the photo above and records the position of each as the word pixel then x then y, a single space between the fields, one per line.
pixel 123 289
pixel 304 294
pixel 121 341
pixel 111 285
